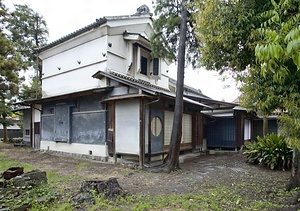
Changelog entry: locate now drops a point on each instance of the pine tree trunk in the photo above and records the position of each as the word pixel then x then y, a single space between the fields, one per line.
pixel 5 135
pixel 295 173
pixel 173 162
pixel 265 125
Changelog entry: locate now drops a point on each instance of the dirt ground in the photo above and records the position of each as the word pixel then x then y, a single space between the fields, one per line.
pixel 204 171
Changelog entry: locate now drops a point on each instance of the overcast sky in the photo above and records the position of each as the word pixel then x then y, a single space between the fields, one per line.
pixel 66 16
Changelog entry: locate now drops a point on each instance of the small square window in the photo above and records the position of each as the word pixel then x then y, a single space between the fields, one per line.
pixel 27 132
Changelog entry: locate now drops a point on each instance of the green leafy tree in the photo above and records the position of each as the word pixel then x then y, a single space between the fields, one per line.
pixel 268 57
pixel 10 64
pixel 260 94
pixel 279 53
pixel 173 32
pixel 166 36
pixel 32 90
pixel 20 33
pixel 28 31
pixel 225 30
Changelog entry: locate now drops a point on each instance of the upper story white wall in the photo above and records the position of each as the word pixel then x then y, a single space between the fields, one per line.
pixel 86 54
pixel 164 76
pixel 117 54
pixel 132 24
pixel 68 66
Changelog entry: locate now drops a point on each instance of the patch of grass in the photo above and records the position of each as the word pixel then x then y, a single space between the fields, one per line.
pixel 263 205
pixel 101 203
pixel 128 172
pixel 217 198
pixel 54 177
pixel 8 163
pixel 82 165
pixel 64 206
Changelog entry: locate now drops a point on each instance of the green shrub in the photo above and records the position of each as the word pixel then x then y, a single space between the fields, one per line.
pixel 271 151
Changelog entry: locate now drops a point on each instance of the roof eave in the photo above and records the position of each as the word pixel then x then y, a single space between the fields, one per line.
pixel 66 96
pixel 72 35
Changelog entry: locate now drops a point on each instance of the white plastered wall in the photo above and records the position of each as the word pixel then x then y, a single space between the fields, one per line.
pixel 84 149
pixel 71 70
pixel 127 125
pixel 117 54
pixel 72 81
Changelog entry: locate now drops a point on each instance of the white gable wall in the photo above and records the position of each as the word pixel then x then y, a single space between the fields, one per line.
pixel 72 70
pixel 121 55
pixel 127 124
pixel 87 53
pixel 133 25
pixel 75 42
pixel 117 54
pixel 68 67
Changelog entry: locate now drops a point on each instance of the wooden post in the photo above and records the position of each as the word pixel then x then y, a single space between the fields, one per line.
pixel 31 127
pixel 265 125
pixel 142 136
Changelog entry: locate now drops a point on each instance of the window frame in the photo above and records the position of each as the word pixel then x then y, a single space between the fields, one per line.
pixel 146 55
pixel 144 65
pixel 155 67
pixel 27 132
pixel 142 54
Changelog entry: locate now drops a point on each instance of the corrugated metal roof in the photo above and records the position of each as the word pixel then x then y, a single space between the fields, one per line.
pixel 20 108
pixel 220 114
pixel 12 127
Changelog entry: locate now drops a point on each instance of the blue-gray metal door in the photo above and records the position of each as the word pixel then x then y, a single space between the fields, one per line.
pixel 62 123
pixel 156 130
